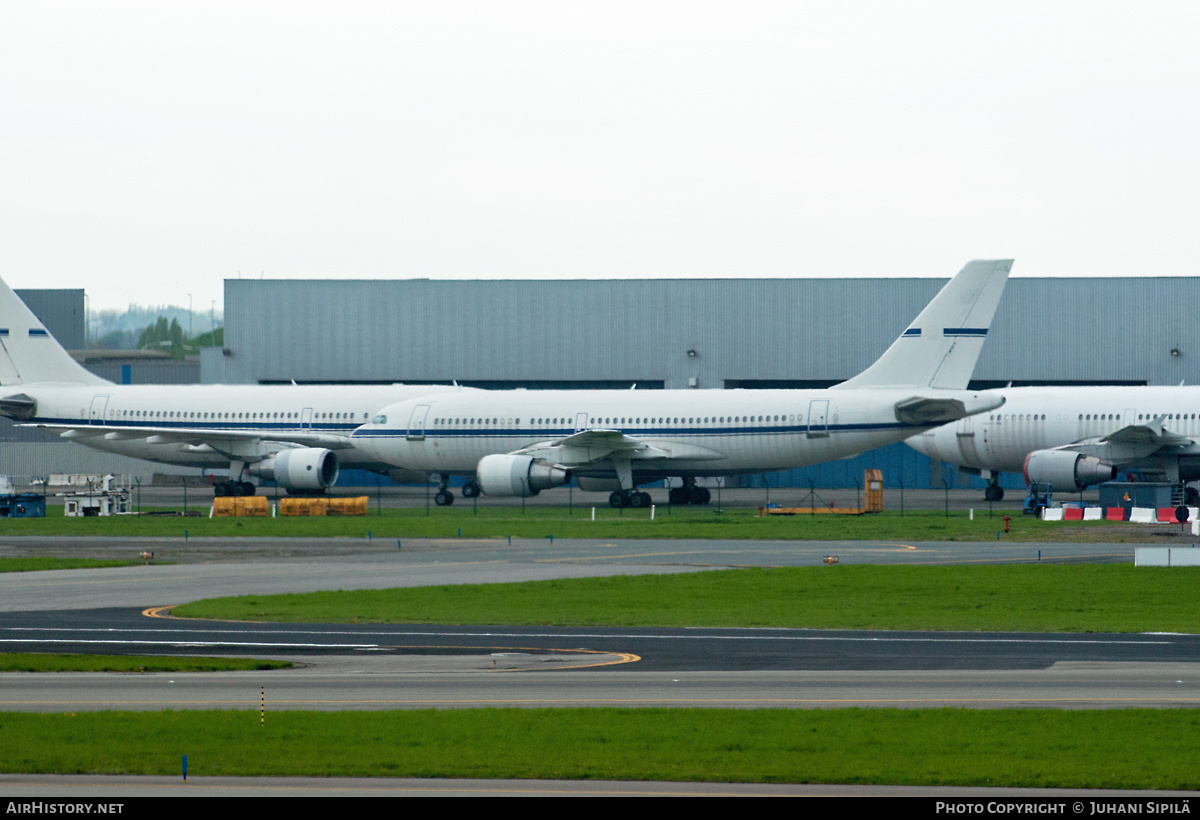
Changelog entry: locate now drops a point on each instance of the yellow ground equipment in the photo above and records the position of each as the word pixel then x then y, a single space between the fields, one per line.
pixel 323 506
pixel 241 505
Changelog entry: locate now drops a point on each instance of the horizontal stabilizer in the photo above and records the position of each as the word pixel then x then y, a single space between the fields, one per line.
pixel 923 411
pixel 19 406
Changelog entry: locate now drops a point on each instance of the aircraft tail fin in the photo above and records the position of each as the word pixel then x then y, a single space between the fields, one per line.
pixel 939 349
pixel 28 353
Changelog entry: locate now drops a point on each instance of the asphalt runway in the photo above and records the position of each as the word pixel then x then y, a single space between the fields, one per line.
pixel 366 667
pixel 386 667
pixel 369 667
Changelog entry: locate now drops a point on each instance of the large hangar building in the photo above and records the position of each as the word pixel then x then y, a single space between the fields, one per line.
pixel 698 334
pixel 656 333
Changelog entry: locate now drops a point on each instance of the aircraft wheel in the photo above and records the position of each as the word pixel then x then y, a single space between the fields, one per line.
pixel 618 500
pixel 699 495
pixel 246 488
pixel 993 492
pixel 646 499
pixel 443 498
pixel 470 490
pixel 677 496
pixel 637 499
pixel 220 490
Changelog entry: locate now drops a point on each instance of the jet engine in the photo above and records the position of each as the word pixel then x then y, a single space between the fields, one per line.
pixel 1063 468
pixel 301 468
pixel 519 475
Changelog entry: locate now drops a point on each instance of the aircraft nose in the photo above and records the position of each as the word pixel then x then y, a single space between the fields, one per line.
pixel 366 439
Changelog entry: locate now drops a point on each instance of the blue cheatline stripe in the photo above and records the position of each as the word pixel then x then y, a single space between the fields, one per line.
pixel 645 432
pixel 912 331
pixel 218 427
pixel 37 331
pixel 965 331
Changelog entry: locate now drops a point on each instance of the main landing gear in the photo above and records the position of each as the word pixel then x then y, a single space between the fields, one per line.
pixel 233 488
pixel 629 498
pixel 689 493
pixel 993 491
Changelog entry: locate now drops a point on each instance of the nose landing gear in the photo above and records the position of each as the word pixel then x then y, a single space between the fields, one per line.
pixel 444 497
pixel 629 498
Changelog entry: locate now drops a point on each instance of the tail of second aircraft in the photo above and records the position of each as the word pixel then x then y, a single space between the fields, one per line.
pixel 940 348
pixel 28 353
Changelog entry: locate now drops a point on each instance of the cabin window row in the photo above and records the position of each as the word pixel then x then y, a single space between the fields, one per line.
pixel 612 420
pixel 180 414
pixel 1141 416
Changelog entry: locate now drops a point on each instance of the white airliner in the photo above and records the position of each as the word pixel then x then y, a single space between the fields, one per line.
pixel 521 442
pixel 1074 437
pixel 298 436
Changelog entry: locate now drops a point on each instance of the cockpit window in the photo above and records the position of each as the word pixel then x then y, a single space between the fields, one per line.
pixel 380 419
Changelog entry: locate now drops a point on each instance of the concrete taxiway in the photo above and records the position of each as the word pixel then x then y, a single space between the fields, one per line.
pixel 188 570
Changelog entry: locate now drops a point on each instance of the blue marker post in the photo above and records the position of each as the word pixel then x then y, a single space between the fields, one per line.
pixel 185 768
pixel 398 545
pixel 552 540
pixel 185 535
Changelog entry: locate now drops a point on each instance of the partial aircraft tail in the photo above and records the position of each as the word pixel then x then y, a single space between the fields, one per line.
pixel 940 348
pixel 28 353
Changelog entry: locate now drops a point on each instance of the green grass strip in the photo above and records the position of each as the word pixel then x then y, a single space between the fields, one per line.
pixel 36 662
pixel 1028 597
pixel 1130 749
pixel 542 522
pixel 40 564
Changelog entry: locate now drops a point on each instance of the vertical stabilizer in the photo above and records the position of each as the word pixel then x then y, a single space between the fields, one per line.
pixel 940 348
pixel 28 353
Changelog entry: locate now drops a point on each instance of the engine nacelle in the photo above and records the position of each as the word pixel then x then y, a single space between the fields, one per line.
pixel 519 475
pixel 302 468
pixel 1066 469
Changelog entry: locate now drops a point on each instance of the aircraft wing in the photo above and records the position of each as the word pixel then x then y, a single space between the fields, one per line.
pixel 589 446
pixel 1153 432
pixel 1135 442
pixel 217 439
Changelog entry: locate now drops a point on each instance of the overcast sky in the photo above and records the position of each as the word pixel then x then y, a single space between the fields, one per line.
pixel 149 150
